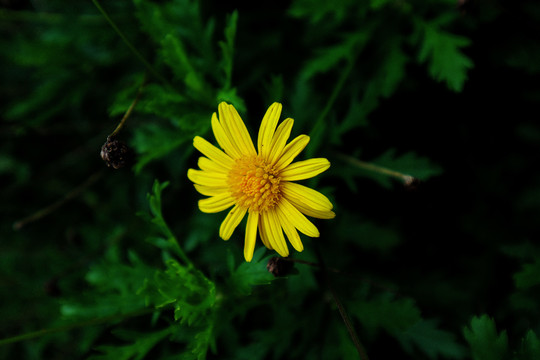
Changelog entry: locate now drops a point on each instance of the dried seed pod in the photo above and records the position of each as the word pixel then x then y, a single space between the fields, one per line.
pixel 279 266
pixel 115 153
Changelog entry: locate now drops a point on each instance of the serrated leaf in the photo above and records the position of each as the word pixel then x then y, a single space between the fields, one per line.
pixel 141 344
pixel 328 58
pixel 484 341
pixel 432 341
pixel 227 48
pixel 442 51
pixel 249 274
pixel 176 57
pixel 187 289
pixel 385 313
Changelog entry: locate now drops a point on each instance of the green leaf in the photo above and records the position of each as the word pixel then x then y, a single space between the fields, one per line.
pixel 431 340
pixel 385 312
pixel 176 57
pixel 442 51
pixel 141 344
pixel 529 275
pixel 330 57
pixel 249 274
pixel 114 286
pixel 227 48
pixel 530 347
pixel 484 341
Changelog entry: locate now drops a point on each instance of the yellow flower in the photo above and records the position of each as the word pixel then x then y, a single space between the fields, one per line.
pixel 259 183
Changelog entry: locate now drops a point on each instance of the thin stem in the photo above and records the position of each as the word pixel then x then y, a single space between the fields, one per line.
pixel 52 207
pixel 407 179
pixel 131 47
pixel 98 321
pixel 344 316
pixel 129 110
pixel 335 92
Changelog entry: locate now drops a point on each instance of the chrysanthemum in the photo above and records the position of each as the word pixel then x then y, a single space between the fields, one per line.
pixel 259 183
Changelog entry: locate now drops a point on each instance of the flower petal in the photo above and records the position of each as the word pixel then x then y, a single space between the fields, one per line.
pixel 236 129
pixel 223 139
pixel 298 219
pixel 274 233
pixel 280 139
pixel 306 196
pixel 210 190
pixel 216 203
pixel 251 235
pixel 266 131
pixel 262 233
pixel 291 151
pixel 290 230
pixel 319 214
pixel 207 178
pixel 211 166
pixel 231 221
pixel 306 169
pixel 212 152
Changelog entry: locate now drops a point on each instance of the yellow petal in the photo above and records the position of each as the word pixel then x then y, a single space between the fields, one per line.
pixel 280 139
pixel 251 235
pixel 319 214
pixel 291 151
pixel 266 131
pixel 223 139
pixel 307 196
pixel 290 230
pixel 212 152
pixel 208 165
pixel 231 221
pixel 216 203
pixel 274 233
pixel 262 233
pixel 210 190
pixel 306 169
pixel 298 219
pixel 207 178
pixel 235 129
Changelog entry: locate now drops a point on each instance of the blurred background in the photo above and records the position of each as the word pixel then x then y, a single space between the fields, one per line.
pixel 426 109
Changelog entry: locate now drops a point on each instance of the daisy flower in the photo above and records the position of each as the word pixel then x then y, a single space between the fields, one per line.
pixel 259 182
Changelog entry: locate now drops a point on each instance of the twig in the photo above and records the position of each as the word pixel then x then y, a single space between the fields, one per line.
pixel 52 207
pixel 341 308
pixel 98 321
pixel 129 110
pixel 130 45
pixel 407 179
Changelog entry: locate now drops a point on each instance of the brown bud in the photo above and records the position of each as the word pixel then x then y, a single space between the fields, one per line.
pixel 279 266
pixel 115 153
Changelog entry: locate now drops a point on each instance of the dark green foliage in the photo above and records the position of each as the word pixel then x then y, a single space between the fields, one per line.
pixel 425 110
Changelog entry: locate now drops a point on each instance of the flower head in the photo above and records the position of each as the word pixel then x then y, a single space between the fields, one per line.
pixel 259 182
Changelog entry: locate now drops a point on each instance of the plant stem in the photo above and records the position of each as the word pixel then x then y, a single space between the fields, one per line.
pixel 407 179
pixel 129 110
pixel 52 207
pixel 341 308
pixel 131 47
pixel 98 321
pixel 335 92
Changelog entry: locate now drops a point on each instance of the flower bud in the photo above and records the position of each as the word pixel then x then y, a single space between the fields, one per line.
pixel 115 153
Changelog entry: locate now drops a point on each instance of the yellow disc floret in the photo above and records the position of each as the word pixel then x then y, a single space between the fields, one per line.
pixel 254 184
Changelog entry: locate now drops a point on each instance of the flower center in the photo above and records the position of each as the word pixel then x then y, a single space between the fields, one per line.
pixel 254 184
